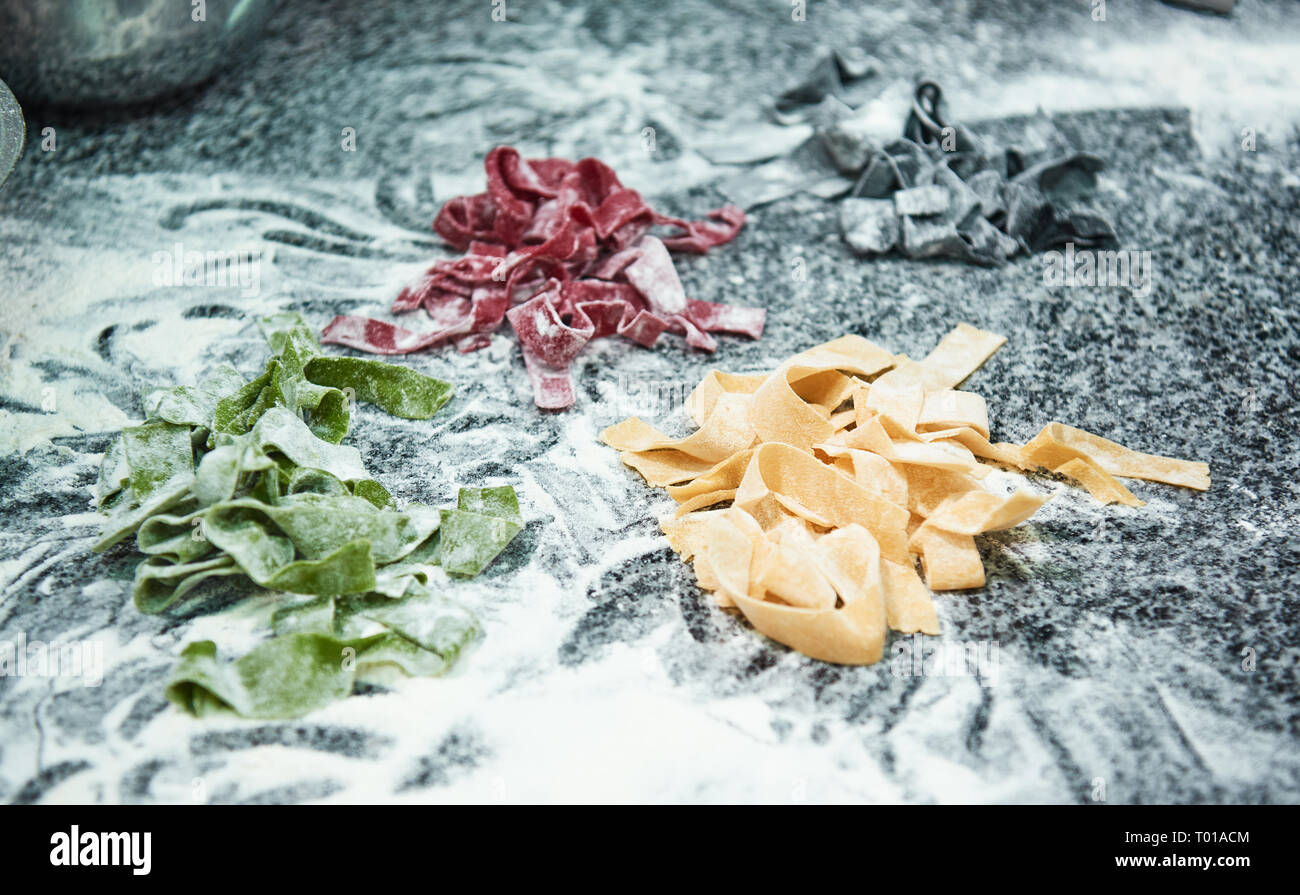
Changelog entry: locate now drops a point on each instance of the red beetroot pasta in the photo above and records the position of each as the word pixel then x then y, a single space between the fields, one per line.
pixel 565 252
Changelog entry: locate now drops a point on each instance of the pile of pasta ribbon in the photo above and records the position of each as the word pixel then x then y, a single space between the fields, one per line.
pixel 844 466
pixel 565 252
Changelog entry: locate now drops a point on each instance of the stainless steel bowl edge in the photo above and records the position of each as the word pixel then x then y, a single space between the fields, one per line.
pixel 92 52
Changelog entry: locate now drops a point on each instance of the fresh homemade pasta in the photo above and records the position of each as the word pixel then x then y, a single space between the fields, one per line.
pixel 807 496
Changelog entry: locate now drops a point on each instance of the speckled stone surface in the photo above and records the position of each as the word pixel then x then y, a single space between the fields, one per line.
pixel 1141 655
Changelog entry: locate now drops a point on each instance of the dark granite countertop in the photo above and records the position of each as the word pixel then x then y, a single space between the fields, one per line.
pixel 1143 655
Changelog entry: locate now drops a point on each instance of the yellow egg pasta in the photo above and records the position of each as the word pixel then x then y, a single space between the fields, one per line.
pixel 846 467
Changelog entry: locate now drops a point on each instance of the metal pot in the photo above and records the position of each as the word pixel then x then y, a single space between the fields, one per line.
pixel 12 130
pixel 84 52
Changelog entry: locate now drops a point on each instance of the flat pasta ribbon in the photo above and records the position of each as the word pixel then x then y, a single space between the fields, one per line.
pixel 845 467
pixel 564 252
